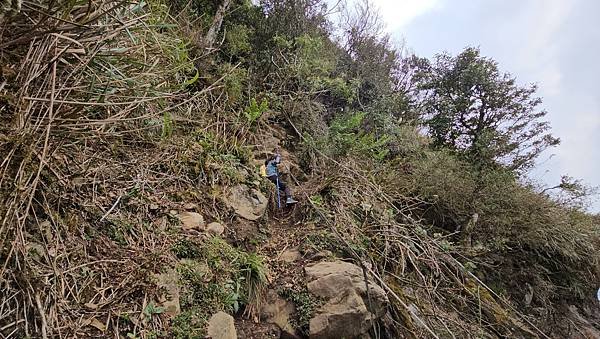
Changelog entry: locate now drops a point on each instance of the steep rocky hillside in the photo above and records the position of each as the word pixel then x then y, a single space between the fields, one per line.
pixel 133 206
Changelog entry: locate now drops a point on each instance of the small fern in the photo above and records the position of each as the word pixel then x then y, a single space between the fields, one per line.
pixel 254 111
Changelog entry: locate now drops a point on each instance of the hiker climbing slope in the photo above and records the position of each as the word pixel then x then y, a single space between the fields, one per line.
pixel 273 175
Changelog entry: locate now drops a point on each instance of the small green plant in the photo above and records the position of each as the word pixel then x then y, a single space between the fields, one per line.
pixel 167 126
pixel 253 272
pixel 185 248
pixel 255 111
pixel 227 279
pixel 470 266
pixel 151 310
pixel 189 324
pixel 317 200
pixel 234 299
pixel 306 305
pixel 118 230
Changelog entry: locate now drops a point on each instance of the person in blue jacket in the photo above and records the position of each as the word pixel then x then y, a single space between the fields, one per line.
pixel 272 173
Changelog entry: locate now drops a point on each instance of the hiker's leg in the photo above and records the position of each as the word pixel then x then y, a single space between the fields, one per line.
pixel 283 187
pixel 288 193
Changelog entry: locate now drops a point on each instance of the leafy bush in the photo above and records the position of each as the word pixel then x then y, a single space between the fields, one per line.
pixel 220 278
pixel 235 80
pixel 347 136
pixel 254 111
pixel 237 40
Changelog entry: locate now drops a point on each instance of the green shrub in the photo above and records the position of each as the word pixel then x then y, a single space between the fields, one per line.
pixel 254 111
pixel 185 248
pixel 237 40
pixel 347 136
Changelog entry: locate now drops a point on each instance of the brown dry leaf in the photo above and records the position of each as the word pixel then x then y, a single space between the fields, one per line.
pixel 91 306
pixel 96 323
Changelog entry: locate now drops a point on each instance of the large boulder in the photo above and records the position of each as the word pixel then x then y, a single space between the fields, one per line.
pixel 221 326
pixel 249 203
pixel 349 310
pixel 344 316
pixel 328 279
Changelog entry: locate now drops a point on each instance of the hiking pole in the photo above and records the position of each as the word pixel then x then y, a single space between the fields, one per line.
pixel 277 188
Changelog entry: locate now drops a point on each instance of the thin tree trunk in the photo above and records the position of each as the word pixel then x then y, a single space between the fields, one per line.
pixel 215 27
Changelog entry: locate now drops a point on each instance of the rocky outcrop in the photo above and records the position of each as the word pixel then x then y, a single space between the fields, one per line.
pixel 349 310
pixel 221 326
pixel 249 203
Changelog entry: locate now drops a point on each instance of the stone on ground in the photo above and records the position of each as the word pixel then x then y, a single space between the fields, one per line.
pixel 290 255
pixel 349 308
pixel 191 220
pixel 221 326
pixel 278 311
pixel 249 203
pixel 215 228
pixel 169 282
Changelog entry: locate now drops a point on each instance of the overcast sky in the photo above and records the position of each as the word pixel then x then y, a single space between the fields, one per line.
pixel 554 43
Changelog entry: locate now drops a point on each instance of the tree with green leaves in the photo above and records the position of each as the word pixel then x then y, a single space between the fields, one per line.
pixel 470 106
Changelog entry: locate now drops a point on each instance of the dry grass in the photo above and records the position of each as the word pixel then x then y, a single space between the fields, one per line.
pixel 90 92
pixel 432 293
pixel 89 97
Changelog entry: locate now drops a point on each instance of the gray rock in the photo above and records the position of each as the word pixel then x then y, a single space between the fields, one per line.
pixel 349 308
pixel 278 311
pixel 191 220
pixel 168 282
pixel 221 326
pixel 248 203
pixel 215 228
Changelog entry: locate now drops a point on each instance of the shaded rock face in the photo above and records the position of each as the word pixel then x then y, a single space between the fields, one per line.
pixel 249 203
pixel 349 310
pixel 221 326
pixel 278 311
pixel 344 316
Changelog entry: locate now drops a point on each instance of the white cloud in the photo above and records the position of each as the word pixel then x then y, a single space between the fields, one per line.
pixel 399 13
pixel 538 55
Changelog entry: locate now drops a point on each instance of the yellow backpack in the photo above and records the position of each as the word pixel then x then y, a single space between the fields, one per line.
pixel 263 170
